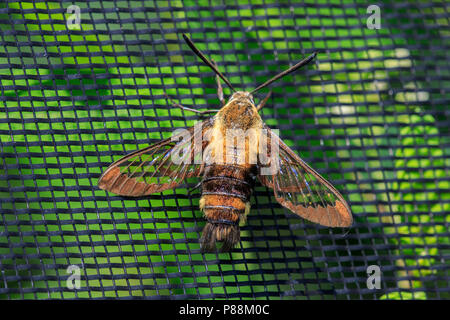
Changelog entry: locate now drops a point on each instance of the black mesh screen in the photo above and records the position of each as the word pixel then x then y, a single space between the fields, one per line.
pixel 370 114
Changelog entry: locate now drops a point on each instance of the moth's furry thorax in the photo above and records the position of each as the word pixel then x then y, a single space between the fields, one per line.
pixel 240 112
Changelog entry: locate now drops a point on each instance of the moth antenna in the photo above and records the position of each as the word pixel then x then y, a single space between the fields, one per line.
pixel 205 60
pixel 262 103
pixel 286 72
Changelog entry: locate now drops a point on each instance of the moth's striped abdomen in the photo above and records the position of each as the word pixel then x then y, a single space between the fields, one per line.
pixel 225 201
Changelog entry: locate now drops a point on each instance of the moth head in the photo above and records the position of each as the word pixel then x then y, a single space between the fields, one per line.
pixel 242 96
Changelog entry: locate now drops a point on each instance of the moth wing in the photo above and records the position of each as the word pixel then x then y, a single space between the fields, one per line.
pixel 159 167
pixel 301 189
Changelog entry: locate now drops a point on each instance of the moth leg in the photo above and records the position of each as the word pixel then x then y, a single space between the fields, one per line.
pixel 195 187
pixel 219 87
pixel 177 105
pixel 262 103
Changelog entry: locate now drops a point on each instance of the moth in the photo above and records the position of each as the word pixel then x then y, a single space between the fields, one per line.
pixel 227 184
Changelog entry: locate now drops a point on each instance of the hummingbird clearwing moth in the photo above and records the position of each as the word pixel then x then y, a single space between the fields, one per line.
pixel 229 171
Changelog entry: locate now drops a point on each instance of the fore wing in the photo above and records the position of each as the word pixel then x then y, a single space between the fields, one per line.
pixel 159 167
pixel 302 190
